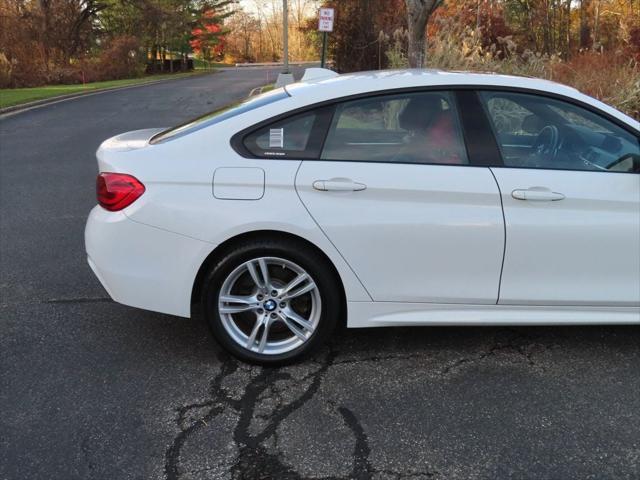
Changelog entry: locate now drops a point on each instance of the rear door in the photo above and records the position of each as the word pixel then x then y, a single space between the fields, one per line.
pixel 571 194
pixel 395 193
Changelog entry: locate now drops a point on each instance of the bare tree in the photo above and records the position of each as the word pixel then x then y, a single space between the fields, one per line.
pixel 418 13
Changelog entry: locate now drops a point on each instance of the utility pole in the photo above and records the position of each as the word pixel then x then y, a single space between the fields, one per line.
pixel 286 77
pixel 285 35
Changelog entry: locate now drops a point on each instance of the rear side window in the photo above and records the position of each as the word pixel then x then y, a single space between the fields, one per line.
pixel 287 136
pixel 404 128
pixel 221 114
pixel 297 136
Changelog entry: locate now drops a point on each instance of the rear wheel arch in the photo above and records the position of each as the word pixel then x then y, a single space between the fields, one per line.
pixel 221 250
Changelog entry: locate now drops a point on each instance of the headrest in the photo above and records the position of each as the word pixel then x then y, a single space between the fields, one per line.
pixel 420 112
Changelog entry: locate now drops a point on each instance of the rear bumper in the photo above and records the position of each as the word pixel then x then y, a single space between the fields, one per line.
pixel 143 266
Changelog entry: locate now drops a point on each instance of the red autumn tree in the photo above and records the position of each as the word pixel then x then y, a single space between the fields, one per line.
pixel 207 38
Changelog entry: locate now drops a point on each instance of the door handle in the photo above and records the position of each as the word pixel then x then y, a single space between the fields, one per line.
pixel 537 194
pixel 338 185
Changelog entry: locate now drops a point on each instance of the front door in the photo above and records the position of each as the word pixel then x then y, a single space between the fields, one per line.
pixel 571 194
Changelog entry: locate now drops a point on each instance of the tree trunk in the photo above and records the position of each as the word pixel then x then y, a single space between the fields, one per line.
pixel 546 28
pixel 154 58
pixel 596 26
pixel 45 11
pixel 585 30
pixel 568 28
pixel 418 13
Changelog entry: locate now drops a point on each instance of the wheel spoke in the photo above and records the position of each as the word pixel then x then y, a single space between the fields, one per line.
pixel 294 283
pixel 291 315
pixel 291 326
pixel 265 333
pixel 261 278
pixel 301 291
pixel 235 309
pixel 237 303
pixel 243 300
pixel 264 270
pixel 252 338
pixel 255 276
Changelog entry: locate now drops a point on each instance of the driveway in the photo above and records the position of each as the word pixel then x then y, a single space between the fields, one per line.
pixel 90 389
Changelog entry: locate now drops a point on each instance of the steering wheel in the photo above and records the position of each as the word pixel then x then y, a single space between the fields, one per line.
pixel 545 147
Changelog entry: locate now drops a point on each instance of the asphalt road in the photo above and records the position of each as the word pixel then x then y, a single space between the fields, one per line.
pixel 95 390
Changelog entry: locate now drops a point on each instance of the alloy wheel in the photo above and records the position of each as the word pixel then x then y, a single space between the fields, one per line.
pixel 269 305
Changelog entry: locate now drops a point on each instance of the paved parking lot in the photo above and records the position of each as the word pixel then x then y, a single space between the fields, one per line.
pixel 92 389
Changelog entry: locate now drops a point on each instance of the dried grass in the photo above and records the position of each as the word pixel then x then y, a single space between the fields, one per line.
pixel 613 78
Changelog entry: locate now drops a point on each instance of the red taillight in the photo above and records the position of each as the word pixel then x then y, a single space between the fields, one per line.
pixel 116 191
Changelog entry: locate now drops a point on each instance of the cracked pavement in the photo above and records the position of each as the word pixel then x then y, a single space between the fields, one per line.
pixel 91 389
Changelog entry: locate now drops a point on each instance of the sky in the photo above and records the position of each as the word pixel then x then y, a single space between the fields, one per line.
pixel 250 5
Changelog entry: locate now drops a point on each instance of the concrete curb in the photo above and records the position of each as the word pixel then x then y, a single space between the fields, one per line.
pixel 259 90
pixel 256 91
pixel 24 107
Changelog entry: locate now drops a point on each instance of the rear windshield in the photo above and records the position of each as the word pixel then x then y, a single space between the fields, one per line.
pixel 220 115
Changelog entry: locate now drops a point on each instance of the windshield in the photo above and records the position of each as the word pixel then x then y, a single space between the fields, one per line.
pixel 220 115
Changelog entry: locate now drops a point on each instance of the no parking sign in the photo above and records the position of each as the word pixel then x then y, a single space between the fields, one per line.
pixel 325 23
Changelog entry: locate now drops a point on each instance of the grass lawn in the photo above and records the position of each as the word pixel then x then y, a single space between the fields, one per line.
pixel 15 96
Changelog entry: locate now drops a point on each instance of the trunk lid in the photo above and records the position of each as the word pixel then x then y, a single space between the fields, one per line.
pixel 117 152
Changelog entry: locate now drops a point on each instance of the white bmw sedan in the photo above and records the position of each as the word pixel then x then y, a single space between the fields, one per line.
pixel 378 199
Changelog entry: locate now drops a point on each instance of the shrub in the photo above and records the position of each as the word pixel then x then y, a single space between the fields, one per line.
pixel 613 78
pixel 120 59
pixel 5 71
pixel 633 48
pixel 397 52
pixel 462 49
pixel 64 75
pixel 28 68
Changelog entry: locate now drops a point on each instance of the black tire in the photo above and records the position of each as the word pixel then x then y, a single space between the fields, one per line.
pixel 308 259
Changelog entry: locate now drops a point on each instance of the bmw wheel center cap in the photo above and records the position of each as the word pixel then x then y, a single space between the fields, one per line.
pixel 270 305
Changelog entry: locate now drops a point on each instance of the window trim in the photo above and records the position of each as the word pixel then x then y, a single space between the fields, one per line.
pixel 464 109
pixel 482 145
pixel 560 98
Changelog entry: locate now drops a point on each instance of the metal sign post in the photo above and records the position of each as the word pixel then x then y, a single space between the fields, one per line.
pixel 325 25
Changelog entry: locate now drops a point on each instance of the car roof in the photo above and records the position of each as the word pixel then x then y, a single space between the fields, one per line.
pixel 336 86
pixel 363 82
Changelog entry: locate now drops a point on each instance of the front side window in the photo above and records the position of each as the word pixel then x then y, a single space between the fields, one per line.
pixel 540 132
pixel 404 128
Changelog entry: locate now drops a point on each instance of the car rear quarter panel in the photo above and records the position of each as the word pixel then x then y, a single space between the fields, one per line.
pixel 178 176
